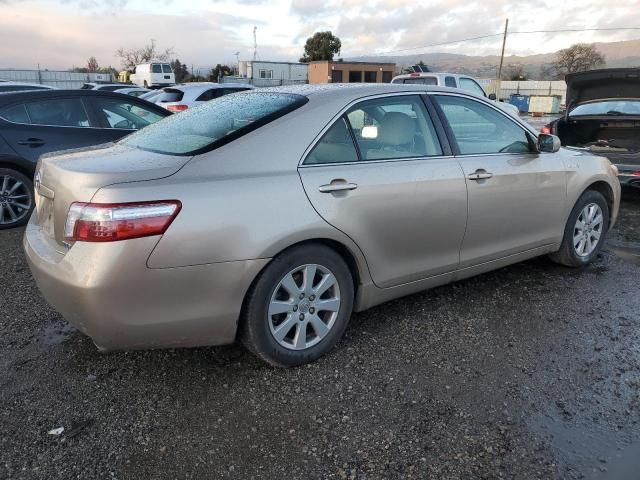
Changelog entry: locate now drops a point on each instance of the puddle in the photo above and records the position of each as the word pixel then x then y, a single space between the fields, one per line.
pixel 593 453
pixel 57 332
pixel 629 251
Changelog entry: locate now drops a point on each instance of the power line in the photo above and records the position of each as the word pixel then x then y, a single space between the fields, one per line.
pixel 481 37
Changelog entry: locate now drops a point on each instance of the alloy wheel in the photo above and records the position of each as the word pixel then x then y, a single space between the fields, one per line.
pixel 304 307
pixel 15 200
pixel 588 230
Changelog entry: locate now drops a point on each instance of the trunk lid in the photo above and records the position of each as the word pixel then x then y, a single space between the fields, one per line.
pixel 602 84
pixel 76 175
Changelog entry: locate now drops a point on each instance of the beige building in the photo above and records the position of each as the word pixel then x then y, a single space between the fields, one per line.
pixel 350 72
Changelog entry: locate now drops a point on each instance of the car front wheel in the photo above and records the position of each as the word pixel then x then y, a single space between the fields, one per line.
pixel 16 198
pixel 299 307
pixel 585 231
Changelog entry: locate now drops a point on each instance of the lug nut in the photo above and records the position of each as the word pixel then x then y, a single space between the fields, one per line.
pixel 295 308
pixel 301 316
pixel 312 298
pixel 301 296
pixel 312 310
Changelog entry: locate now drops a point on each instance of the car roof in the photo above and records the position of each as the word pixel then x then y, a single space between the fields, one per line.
pixel 432 74
pixel 38 85
pixel 30 95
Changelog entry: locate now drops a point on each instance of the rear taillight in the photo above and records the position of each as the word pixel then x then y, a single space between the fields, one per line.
pixel 111 222
pixel 177 108
pixel 636 174
pixel 546 129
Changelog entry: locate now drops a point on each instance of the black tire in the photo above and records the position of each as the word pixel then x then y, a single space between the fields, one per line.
pixel 254 329
pixel 11 206
pixel 567 255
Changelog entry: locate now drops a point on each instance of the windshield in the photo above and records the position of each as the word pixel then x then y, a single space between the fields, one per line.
pixel 608 107
pixel 214 123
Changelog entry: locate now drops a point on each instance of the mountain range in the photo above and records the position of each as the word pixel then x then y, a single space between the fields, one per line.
pixel 617 54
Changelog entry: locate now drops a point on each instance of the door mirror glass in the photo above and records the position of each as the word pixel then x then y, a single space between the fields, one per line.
pixel 548 143
pixel 492 96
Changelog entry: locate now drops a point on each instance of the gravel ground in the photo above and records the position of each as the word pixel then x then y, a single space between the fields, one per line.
pixel 532 371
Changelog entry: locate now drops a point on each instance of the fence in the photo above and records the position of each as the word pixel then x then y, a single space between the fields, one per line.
pixel 529 87
pixel 262 82
pixel 53 78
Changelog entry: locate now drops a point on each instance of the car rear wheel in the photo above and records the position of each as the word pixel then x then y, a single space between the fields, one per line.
pixel 299 306
pixel 16 198
pixel 585 231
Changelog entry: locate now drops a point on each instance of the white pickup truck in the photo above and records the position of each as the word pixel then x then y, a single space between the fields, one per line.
pixel 453 80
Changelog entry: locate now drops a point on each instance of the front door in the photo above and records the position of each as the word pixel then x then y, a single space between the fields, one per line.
pixel 392 192
pixel 515 194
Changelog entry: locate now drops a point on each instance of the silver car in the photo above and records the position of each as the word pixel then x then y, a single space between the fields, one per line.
pixel 188 95
pixel 272 215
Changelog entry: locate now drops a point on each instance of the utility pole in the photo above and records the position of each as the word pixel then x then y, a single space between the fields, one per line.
pixel 255 43
pixel 504 42
pixel 237 54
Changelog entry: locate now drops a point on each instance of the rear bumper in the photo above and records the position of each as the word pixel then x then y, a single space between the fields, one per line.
pixel 109 293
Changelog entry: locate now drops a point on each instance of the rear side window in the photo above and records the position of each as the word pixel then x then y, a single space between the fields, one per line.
pixel 480 129
pixel 210 94
pixel 336 146
pixel 15 113
pixel 125 115
pixel 63 112
pixel 166 68
pixel 169 95
pixel 214 123
pixel 450 82
pixel 156 68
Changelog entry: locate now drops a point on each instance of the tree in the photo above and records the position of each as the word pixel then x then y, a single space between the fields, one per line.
pixel 148 53
pixel 514 71
pixel 92 65
pixel 321 46
pixel 422 67
pixel 180 70
pixel 219 71
pixel 577 58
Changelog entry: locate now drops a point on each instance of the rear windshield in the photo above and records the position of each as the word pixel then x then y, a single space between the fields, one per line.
pixel 156 68
pixel 214 123
pixel 421 80
pixel 169 95
pixel 608 108
pixel 166 68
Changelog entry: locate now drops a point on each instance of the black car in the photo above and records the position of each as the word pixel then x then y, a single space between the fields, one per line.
pixel 36 122
pixel 603 118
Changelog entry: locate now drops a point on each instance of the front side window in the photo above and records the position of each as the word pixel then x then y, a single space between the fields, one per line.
pixel 213 123
pixel 393 128
pixel 63 112
pixel 336 146
pixel 480 129
pixel 126 115
pixel 156 68
pixel 471 86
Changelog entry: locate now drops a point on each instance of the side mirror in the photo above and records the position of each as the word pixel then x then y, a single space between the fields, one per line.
pixel 492 96
pixel 548 143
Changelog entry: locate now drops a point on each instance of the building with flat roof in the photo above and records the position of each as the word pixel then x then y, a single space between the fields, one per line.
pixel 273 71
pixel 350 72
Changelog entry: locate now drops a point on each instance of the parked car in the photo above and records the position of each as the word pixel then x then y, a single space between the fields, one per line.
pixel 603 117
pixel 271 215
pixel 109 87
pixel 135 91
pixel 150 95
pixel 21 86
pixel 187 95
pixel 150 75
pixel 36 122
pixel 453 80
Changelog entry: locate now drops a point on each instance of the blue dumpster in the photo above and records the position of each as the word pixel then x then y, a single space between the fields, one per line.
pixel 520 101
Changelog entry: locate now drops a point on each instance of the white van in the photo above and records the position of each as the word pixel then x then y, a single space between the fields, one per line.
pixel 153 75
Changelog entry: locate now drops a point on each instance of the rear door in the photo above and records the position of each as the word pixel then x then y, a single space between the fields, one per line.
pixel 394 191
pixel 515 193
pixel 48 125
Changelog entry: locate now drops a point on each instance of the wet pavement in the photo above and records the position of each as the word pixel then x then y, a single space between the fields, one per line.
pixel 532 371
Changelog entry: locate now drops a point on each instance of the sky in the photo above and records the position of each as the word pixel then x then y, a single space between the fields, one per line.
pixel 60 34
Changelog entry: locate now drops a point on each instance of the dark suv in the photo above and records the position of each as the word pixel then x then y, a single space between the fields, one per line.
pixel 36 122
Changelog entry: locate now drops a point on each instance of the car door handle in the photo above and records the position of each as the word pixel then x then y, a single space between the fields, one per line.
pixel 479 174
pixel 32 142
pixel 337 187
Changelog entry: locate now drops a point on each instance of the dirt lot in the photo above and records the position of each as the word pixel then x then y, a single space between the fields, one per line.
pixel 532 371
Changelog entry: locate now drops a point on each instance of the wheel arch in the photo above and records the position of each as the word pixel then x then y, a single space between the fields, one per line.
pixel 19 165
pixel 606 191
